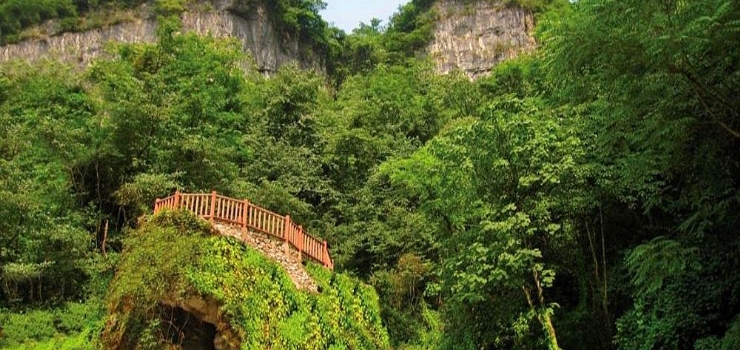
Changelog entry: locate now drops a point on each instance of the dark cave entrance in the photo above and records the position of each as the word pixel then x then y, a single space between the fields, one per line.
pixel 186 331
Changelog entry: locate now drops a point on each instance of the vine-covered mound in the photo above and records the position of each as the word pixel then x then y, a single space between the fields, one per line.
pixel 179 286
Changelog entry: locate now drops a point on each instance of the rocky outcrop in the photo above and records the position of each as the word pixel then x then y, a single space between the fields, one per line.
pixel 249 24
pixel 476 36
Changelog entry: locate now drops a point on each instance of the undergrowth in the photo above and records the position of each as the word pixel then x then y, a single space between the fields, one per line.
pixel 73 326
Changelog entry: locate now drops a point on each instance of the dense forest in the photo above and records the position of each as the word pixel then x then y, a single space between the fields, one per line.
pixel 581 197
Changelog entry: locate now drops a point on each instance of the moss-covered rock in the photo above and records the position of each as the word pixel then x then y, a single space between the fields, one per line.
pixel 173 266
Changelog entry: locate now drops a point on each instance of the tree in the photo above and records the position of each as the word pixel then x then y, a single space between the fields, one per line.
pixel 654 82
pixel 498 190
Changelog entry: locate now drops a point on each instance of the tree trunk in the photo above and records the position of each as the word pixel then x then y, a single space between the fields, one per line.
pixel 542 312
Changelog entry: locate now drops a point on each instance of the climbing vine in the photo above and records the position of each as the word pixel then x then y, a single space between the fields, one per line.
pixel 174 256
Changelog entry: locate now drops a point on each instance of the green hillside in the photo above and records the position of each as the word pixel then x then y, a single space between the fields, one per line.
pixel 174 257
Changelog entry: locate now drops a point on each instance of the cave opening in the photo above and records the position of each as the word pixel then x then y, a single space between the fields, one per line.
pixel 187 331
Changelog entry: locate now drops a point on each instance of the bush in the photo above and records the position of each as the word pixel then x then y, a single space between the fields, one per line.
pixel 74 326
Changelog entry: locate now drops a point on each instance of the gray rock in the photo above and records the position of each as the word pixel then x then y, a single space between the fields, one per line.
pixel 475 37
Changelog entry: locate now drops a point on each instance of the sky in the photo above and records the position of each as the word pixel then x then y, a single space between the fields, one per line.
pixel 347 14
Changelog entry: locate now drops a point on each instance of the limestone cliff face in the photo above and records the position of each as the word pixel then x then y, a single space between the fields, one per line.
pixel 476 36
pixel 229 18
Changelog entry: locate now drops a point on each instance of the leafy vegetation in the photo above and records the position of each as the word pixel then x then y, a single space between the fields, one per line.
pixel 582 196
pixel 73 326
pixel 174 257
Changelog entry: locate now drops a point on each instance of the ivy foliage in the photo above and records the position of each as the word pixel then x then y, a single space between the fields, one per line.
pixel 174 256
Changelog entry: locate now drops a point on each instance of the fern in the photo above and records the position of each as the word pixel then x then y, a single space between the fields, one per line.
pixel 650 264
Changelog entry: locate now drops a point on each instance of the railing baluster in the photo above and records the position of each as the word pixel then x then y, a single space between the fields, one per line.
pixel 271 223
pixel 213 206
pixel 202 202
pixel 260 225
pixel 257 218
pixel 323 254
pixel 245 208
pixel 218 212
pixel 204 205
pixel 201 205
pixel 229 210
pixel 249 222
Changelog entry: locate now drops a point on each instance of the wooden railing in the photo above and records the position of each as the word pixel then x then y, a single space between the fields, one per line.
pixel 218 208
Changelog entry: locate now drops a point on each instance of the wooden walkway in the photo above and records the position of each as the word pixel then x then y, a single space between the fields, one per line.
pixel 236 212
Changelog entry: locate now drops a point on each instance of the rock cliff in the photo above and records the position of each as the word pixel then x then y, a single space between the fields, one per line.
pixel 476 36
pixel 250 25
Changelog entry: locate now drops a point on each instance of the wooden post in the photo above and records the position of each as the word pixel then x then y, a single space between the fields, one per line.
pixel 286 226
pixel 245 211
pixel 156 205
pixel 325 255
pixel 286 241
pixel 300 239
pixel 177 199
pixel 213 205
pixel 299 243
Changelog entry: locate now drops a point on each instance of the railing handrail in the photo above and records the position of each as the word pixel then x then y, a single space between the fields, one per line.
pixel 215 207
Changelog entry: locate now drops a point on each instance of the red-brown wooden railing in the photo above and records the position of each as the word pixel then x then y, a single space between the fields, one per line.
pixel 215 207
